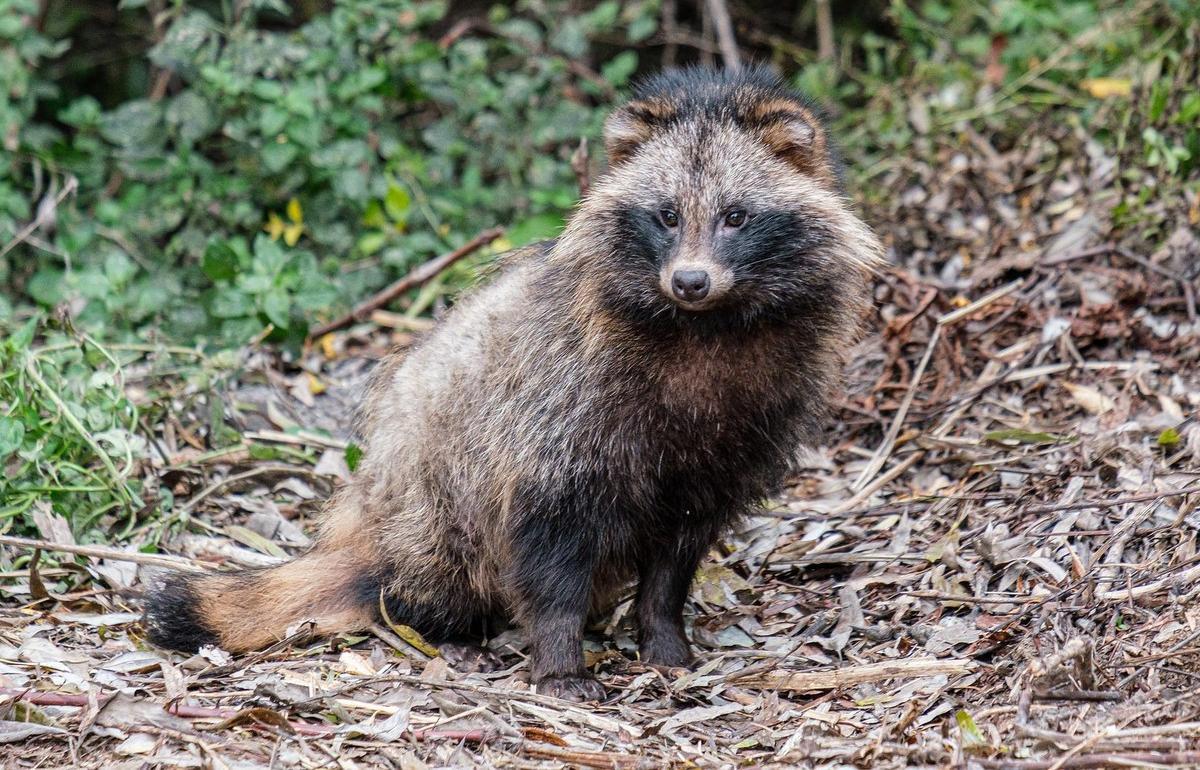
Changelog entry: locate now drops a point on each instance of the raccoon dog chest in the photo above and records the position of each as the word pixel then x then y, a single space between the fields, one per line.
pixel 600 411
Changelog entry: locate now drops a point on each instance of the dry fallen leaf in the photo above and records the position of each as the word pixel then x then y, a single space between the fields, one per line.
pixel 1089 398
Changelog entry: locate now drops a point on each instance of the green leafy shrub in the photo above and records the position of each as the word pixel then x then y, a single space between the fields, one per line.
pixel 69 436
pixel 386 146
pixel 211 173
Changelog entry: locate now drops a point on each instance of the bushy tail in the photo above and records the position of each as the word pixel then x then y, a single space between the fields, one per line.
pixel 332 588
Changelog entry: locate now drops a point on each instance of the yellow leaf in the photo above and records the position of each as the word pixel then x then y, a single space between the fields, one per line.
pixel 274 226
pixel 315 386
pixel 291 234
pixel 294 212
pixel 327 348
pixel 502 244
pixel 407 633
pixel 1102 88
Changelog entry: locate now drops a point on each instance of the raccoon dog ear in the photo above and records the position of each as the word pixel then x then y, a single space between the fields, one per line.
pixel 631 125
pixel 793 133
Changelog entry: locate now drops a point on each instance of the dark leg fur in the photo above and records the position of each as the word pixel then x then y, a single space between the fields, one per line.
pixel 456 634
pixel 664 579
pixel 172 619
pixel 553 578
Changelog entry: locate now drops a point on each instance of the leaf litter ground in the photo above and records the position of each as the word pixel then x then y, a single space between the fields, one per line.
pixel 992 563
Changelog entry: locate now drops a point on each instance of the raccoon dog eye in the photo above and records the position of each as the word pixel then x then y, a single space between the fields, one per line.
pixel 669 218
pixel 736 218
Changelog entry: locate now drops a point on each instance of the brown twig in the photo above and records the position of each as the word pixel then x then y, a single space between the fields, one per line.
pixel 579 164
pixel 45 212
pixel 99 552
pixel 668 26
pixel 825 48
pixel 416 277
pixel 719 11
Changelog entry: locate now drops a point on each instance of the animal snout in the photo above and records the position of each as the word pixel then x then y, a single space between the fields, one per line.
pixel 690 285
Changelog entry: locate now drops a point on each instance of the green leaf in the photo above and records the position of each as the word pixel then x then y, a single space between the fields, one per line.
pixel 23 337
pixel 278 155
pixel 396 202
pixel 12 432
pixel 372 242
pixel 1169 438
pixel 1189 110
pixel 353 454
pixel 220 262
pixel 135 125
pixel 641 28
pixel 46 286
pixel 619 69
pixel 277 307
pixel 272 120
pixel 191 116
pixel 269 257
pixel 536 228
pixel 1160 93
pixel 84 111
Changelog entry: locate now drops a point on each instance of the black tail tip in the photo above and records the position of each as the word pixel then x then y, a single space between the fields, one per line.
pixel 172 616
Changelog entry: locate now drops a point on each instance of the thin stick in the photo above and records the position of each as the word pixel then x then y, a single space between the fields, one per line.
pixel 151 559
pixel 1183 578
pixel 604 760
pixel 893 473
pixel 725 38
pixel 825 49
pixel 669 24
pixel 416 277
pixel 980 303
pixel 889 440
pixel 579 164
pixel 43 213
pixel 812 681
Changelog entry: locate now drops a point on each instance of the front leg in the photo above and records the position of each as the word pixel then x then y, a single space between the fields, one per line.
pixel 664 578
pixel 552 573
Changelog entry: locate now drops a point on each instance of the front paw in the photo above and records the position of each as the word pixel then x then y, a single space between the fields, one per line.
pixel 573 688
pixel 667 651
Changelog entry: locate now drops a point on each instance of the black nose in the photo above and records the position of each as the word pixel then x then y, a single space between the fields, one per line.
pixel 690 285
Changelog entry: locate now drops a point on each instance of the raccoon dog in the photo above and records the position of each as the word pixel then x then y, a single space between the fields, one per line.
pixel 601 411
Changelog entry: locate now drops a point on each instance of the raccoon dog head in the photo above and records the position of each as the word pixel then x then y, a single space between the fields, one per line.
pixel 723 202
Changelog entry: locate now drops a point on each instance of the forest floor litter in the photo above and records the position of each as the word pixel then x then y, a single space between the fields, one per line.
pixel 992 562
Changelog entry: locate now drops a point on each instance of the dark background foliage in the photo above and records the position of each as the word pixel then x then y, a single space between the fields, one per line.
pixel 208 175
